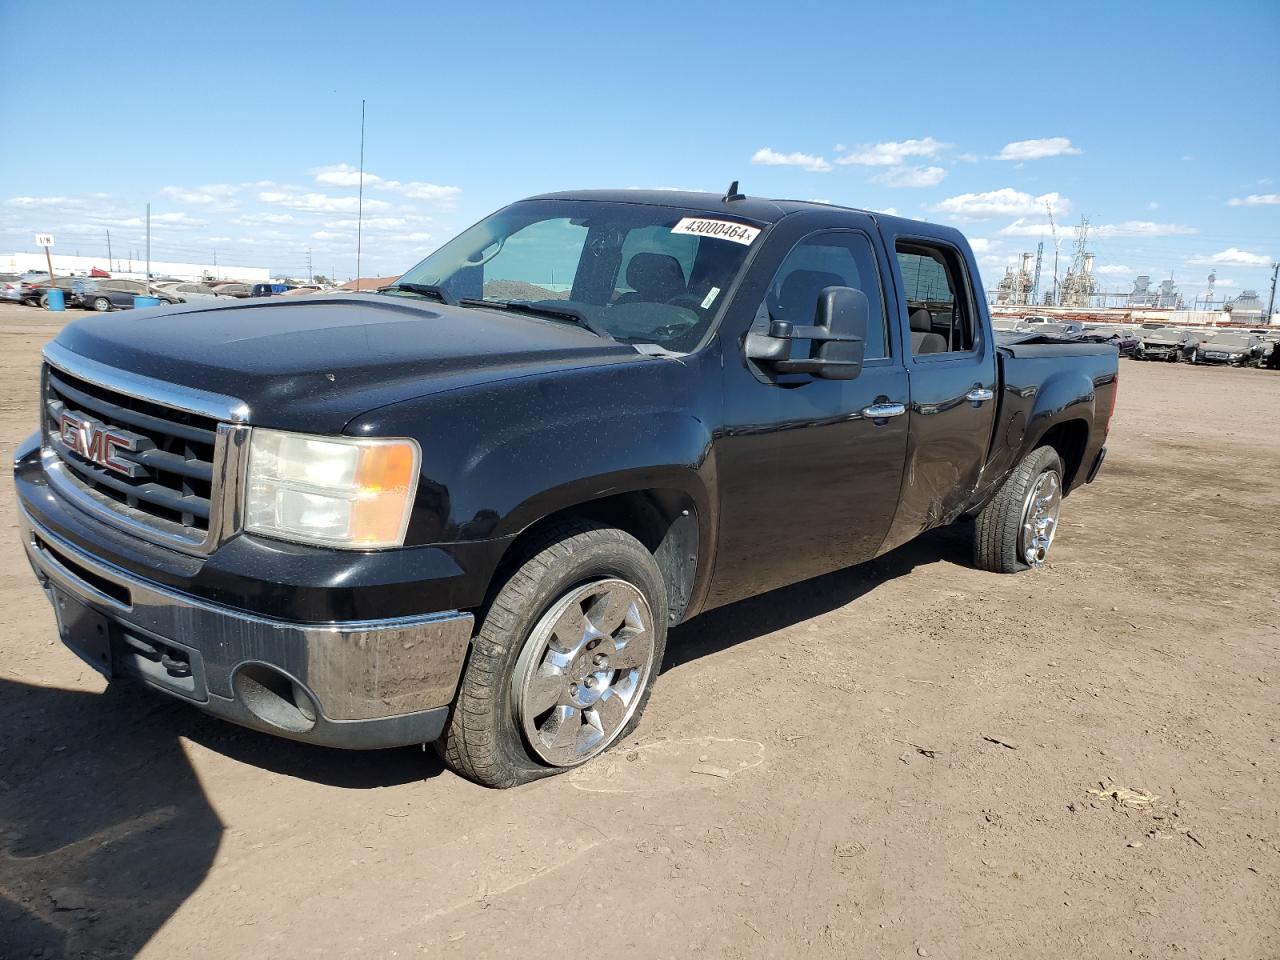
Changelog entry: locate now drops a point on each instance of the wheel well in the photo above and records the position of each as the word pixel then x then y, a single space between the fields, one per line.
pixel 1069 439
pixel 665 521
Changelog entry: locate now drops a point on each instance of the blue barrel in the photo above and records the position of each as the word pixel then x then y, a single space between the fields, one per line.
pixel 55 299
pixel 141 301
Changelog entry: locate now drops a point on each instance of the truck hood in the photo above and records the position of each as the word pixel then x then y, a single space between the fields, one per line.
pixel 313 363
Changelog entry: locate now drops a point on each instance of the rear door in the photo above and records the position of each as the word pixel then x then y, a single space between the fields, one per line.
pixel 808 481
pixel 952 363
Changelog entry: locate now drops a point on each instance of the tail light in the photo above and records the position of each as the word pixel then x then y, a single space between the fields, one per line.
pixel 1111 409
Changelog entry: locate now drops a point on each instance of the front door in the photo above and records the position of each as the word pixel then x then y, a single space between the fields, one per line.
pixel 809 482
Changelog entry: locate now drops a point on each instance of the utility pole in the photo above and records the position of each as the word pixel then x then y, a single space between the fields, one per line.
pixel 1052 226
pixel 310 275
pixel 1035 286
pixel 148 249
pixel 1271 302
pixel 360 201
pixel 110 265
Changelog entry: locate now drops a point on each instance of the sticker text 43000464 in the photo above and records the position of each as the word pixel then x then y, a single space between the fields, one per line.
pixel 719 229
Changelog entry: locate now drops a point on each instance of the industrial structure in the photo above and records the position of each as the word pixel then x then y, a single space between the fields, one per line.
pixel 1080 285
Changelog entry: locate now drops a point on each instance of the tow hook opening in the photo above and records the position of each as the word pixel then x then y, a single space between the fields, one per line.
pixel 275 698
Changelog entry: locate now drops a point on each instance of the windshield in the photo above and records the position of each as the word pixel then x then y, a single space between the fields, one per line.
pixel 640 273
pixel 1166 333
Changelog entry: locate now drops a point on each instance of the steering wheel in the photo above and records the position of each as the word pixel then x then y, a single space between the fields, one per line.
pixel 686 300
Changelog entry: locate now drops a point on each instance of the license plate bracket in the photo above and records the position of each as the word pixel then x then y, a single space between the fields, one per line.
pixel 85 632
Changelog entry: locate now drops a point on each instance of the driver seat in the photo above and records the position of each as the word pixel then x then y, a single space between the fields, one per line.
pixel 653 278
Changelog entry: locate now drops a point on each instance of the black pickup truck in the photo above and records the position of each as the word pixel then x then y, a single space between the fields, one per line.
pixel 466 509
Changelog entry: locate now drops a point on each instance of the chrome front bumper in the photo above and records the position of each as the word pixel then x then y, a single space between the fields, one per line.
pixel 359 685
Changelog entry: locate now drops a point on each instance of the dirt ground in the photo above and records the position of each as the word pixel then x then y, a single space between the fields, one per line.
pixel 909 758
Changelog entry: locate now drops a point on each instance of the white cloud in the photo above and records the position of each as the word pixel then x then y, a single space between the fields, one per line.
pixel 207 195
pixel 256 218
pixel 806 161
pixel 888 211
pixel 982 244
pixel 891 153
pixel 1140 228
pixel 319 202
pixel 1255 200
pixel 1037 149
pixel 39 201
pixel 1234 258
pixel 342 175
pixel 1114 270
pixel 911 176
pixel 415 190
pixel 1006 202
pixel 178 219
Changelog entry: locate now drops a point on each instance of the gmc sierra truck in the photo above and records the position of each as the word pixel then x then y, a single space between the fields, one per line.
pixel 466 508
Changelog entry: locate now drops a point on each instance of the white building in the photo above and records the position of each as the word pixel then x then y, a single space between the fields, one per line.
pixel 70 266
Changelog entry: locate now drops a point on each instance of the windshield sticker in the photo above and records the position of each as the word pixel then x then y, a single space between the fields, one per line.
pixel 719 229
pixel 710 298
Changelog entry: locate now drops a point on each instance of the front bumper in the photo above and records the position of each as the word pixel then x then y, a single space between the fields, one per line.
pixel 355 684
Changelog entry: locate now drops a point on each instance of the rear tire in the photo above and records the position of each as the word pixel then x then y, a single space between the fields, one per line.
pixel 101 304
pixel 1005 534
pixel 550 668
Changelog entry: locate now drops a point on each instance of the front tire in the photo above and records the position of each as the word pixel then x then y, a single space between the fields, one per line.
pixel 1015 530
pixel 101 304
pixel 565 658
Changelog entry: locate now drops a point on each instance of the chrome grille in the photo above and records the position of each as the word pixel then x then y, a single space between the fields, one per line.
pixel 143 455
pixel 172 471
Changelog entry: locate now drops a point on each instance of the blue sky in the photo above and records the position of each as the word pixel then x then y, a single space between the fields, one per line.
pixel 240 123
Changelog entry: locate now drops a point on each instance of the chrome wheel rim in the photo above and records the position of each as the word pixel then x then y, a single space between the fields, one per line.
pixel 102 304
pixel 1040 518
pixel 583 671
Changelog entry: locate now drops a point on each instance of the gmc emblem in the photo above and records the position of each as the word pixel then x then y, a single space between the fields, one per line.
pixel 95 441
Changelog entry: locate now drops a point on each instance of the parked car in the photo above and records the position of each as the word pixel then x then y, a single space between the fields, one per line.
pixel 200 293
pixel 230 288
pixel 1236 349
pixel 477 525
pixel 104 295
pixel 1123 338
pixel 269 289
pixel 36 293
pixel 1008 326
pixel 9 286
pixel 1037 318
pixel 1061 329
pixel 1166 343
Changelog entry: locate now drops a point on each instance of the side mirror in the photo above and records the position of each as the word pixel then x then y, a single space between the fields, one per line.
pixel 837 339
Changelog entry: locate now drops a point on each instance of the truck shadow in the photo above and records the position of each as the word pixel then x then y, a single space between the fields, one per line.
pixel 105 829
pixel 748 619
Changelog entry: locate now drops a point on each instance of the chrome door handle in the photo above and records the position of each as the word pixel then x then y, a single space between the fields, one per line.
pixel 883 411
pixel 978 394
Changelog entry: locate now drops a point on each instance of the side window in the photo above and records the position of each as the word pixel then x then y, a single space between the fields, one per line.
pixel 937 307
pixel 838 258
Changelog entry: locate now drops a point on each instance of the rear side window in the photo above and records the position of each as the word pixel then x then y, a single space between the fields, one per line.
pixel 937 306
pixel 837 258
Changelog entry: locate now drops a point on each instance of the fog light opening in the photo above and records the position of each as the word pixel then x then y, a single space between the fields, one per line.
pixel 275 698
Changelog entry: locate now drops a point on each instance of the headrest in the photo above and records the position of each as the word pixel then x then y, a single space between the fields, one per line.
pixel 921 320
pixel 655 273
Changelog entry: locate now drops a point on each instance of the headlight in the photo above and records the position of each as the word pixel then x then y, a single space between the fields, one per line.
pixel 348 492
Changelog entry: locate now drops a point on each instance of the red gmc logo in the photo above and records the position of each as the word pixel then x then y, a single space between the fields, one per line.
pixel 95 441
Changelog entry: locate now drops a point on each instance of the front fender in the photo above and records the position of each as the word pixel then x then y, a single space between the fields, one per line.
pixel 498 457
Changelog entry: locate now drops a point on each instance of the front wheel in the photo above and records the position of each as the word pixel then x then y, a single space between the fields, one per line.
pixel 564 661
pixel 1015 530
pixel 101 304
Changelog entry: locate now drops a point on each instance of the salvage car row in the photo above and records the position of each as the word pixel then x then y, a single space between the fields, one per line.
pixel 1229 346
pixel 103 294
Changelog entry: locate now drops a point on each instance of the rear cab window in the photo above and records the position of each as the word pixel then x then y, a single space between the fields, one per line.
pixel 939 311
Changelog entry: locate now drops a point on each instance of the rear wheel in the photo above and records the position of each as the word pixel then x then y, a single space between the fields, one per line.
pixel 564 661
pixel 101 304
pixel 1015 530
